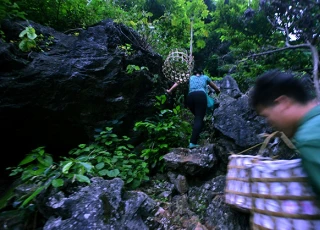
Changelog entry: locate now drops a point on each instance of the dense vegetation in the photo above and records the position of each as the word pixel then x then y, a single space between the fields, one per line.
pixel 241 37
pixel 228 36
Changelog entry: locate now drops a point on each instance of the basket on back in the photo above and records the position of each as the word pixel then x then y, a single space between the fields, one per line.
pixel 178 66
pixel 238 187
pixel 238 180
pixel 276 192
pixel 282 197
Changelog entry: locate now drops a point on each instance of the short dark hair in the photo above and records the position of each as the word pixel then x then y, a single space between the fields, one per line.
pixel 273 84
pixel 197 71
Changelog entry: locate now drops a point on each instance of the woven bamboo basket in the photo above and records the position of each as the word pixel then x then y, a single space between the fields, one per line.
pixel 178 66
pixel 238 181
pixel 282 197
pixel 238 188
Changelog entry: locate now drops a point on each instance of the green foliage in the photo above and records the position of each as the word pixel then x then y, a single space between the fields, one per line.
pixel 247 72
pixel 167 31
pixel 9 9
pixel 212 78
pixel 243 35
pixel 44 43
pixel 69 14
pixel 108 157
pixel 36 168
pixel 28 36
pixel 131 68
pixel 31 41
pixel 111 156
pixel 34 164
pixel 172 29
pixel 164 131
pixel 127 49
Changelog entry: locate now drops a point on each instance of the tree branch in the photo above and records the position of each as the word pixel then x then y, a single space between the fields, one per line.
pixel 315 38
pixel 278 50
pixel 315 57
pixel 287 36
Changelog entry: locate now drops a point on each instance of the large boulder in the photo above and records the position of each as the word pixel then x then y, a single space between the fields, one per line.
pixel 101 205
pixel 71 84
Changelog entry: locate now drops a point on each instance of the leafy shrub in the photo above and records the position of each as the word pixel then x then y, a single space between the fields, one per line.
pixel 9 9
pixel 36 168
pixel 28 36
pixel 164 131
pixel 131 68
pixel 109 157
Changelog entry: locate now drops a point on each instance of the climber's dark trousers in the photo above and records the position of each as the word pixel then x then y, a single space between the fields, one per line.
pixel 197 103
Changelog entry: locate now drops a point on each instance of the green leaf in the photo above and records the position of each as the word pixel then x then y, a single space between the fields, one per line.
pixel 163 99
pixel 100 165
pixel 87 149
pixel 126 138
pixel 26 45
pixel 135 183
pixel 103 172
pixel 57 183
pixel 113 173
pixel 32 196
pixel 108 142
pixel 24 32
pixel 82 178
pixel 29 158
pixel 114 160
pixel 87 166
pixel 163 146
pixel 66 168
pixel 31 33
pixel 36 170
pixel 129 180
pixel 81 146
pixel 109 129
pixel 83 158
pixel 123 148
pixel 41 152
pixel 46 160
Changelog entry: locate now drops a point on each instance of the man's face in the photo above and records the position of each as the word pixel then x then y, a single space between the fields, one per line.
pixel 279 115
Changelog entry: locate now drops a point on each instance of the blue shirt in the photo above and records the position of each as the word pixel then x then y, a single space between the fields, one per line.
pixel 198 83
pixel 307 141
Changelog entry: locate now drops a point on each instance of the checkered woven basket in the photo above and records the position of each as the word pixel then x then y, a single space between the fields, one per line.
pixel 178 66
pixel 282 197
pixel 238 187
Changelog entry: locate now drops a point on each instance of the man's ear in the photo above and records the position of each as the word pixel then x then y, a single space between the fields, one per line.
pixel 284 101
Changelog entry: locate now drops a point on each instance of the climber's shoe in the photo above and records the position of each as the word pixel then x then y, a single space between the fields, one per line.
pixel 191 146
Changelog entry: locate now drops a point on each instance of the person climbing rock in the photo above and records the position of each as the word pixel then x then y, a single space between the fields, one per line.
pixel 197 102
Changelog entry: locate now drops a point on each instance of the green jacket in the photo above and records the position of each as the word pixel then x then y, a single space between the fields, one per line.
pixel 307 141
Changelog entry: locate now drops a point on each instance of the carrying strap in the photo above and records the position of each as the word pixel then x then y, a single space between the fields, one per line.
pixel 264 144
pixel 283 137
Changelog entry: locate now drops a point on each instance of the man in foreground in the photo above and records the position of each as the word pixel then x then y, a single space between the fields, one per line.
pixel 286 104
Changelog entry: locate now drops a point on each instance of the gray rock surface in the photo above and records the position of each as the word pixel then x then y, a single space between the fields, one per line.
pixel 60 93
